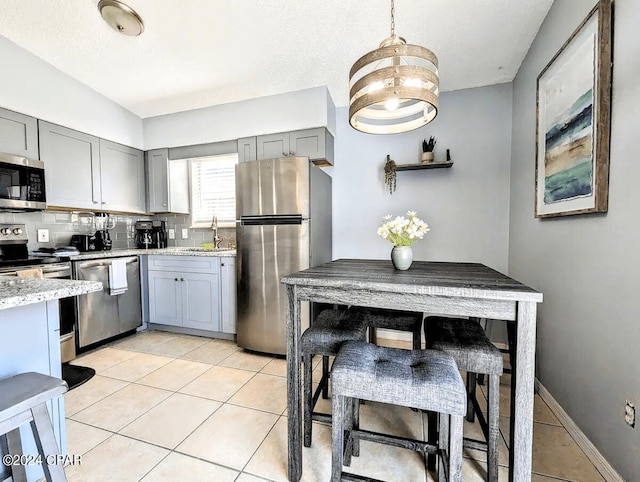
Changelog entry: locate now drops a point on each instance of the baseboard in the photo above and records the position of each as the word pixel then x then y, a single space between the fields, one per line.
pixel 606 470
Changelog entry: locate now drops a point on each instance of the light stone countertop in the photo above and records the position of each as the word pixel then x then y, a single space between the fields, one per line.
pixel 25 291
pixel 173 251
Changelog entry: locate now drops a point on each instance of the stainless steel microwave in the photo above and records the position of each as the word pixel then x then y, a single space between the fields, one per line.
pixel 21 184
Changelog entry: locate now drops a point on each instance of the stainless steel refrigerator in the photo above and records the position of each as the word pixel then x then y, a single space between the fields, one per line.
pixel 283 225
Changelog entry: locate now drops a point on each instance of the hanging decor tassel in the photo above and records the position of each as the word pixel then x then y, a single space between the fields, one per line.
pixel 390 174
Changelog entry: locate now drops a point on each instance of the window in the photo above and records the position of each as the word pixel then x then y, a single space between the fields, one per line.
pixel 213 190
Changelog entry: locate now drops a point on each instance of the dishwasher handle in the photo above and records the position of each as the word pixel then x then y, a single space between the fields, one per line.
pixel 101 263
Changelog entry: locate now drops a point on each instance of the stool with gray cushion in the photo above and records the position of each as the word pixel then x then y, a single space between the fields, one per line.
pixel 324 337
pixel 466 341
pixel 23 399
pixel 423 379
pixel 392 320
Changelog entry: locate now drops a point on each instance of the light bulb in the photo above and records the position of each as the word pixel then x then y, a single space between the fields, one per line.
pixel 392 103
pixel 376 86
pixel 413 82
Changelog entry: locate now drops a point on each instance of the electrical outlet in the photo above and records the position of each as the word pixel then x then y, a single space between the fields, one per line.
pixel 172 234
pixel 43 235
pixel 185 233
pixel 630 414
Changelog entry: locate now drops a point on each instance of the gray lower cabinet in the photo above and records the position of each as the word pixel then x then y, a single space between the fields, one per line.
pixel 18 134
pixel 167 183
pixel 316 144
pixel 122 178
pixel 72 163
pixel 185 292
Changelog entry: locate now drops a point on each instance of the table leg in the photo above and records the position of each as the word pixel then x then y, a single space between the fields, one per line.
pixel 522 394
pixel 294 418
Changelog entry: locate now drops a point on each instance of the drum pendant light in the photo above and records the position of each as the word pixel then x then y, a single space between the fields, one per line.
pixel 394 88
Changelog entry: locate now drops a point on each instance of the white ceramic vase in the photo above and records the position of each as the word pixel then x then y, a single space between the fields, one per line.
pixel 402 257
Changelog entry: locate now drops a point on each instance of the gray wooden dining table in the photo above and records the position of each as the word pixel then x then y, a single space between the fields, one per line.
pixel 460 289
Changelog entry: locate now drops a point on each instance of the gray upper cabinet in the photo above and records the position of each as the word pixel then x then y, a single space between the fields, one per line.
pixel 247 149
pixel 316 144
pixel 273 146
pixel 167 183
pixel 122 178
pixel 18 134
pixel 72 164
pixel 85 172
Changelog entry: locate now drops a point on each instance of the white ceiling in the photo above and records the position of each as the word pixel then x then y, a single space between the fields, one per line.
pixel 196 53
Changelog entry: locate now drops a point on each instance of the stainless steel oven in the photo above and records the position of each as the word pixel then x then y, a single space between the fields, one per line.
pixel 21 183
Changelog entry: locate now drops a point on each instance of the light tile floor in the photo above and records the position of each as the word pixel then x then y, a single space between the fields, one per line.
pixel 167 407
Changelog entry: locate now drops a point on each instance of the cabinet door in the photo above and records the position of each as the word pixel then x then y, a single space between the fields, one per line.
pixel 122 177
pixel 157 180
pixel 18 134
pixel 247 149
pixel 201 301
pixel 228 294
pixel 72 163
pixel 165 298
pixel 273 146
pixel 316 144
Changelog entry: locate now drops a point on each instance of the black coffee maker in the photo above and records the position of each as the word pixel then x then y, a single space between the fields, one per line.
pixel 159 234
pixel 103 224
pixel 144 234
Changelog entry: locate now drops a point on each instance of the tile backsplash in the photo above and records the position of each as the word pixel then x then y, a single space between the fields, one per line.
pixel 62 224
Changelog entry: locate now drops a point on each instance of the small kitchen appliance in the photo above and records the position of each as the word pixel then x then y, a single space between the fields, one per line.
pixel 144 234
pixel 84 242
pixel 159 234
pixel 21 184
pixel 103 224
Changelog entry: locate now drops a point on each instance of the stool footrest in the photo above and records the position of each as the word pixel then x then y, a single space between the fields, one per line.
pixel 321 417
pixel 358 478
pixel 395 441
pixel 470 443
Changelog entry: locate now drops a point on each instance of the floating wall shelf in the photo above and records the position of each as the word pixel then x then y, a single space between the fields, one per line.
pixel 429 165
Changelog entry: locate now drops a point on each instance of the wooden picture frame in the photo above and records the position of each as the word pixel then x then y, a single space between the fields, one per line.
pixel 573 121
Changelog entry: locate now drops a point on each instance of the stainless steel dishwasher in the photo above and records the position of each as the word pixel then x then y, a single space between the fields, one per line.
pixel 101 315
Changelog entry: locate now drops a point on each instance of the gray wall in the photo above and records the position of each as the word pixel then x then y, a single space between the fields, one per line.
pixel 587 266
pixel 291 111
pixel 465 206
pixel 31 86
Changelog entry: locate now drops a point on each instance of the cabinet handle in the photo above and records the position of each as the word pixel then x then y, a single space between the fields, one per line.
pixel 292 153
pixel 221 264
pixel 175 279
pixel 96 202
pixel 164 205
pixel 181 279
pixel 284 154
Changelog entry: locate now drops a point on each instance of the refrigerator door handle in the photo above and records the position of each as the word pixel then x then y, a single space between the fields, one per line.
pixel 271 220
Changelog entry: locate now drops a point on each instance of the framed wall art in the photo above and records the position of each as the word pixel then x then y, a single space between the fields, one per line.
pixel 573 121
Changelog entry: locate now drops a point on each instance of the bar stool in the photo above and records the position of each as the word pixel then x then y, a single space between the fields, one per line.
pixel 324 337
pixel 392 320
pixel 465 340
pixel 23 399
pixel 424 379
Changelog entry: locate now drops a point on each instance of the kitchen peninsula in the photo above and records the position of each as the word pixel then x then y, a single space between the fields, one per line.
pixel 30 338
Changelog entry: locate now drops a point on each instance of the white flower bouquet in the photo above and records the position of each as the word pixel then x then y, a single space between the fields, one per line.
pixel 403 231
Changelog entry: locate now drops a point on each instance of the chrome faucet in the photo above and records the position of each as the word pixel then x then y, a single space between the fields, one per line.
pixel 217 239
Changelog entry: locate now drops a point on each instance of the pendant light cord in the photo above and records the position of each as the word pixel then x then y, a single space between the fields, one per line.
pixel 393 20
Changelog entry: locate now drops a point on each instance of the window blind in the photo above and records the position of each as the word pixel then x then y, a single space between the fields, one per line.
pixel 213 190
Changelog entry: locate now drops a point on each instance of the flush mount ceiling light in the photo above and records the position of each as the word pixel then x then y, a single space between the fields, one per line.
pixel 121 17
pixel 394 88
